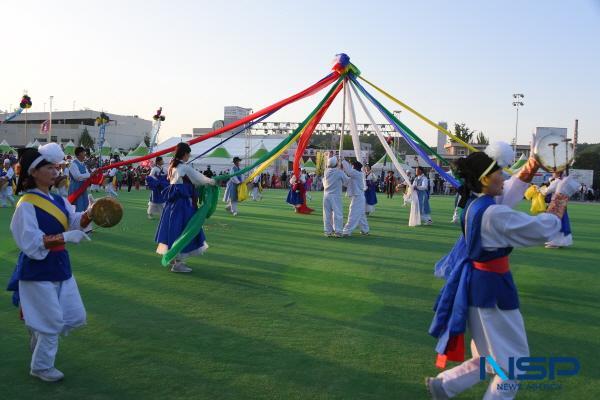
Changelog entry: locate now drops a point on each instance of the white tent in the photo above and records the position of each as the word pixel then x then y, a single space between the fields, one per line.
pixel 385 164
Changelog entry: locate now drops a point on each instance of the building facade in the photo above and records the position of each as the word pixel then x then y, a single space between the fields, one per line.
pixel 123 131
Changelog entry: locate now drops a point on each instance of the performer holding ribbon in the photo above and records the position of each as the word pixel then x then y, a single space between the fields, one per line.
pixel 78 173
pixel 333 213
pixel 43 283
pixel 231 191
pixel 157 182
pixel 479 290
pixel 179 208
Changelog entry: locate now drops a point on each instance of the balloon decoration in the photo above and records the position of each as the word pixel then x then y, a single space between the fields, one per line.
pixel 25 102
pixel 158 118
pixel 158 115
pixel 102 119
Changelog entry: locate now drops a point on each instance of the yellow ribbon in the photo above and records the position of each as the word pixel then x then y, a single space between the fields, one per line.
pixel 47 206
pixel 538 204
pixel 418 114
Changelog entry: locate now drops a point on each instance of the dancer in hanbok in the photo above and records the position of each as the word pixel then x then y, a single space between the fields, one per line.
pixel 6 187
pixel 356 187
pixel 157 182
pixel 333 214
pixel 231 194
pixel 78 173
pixel 479 293
pixel 43 284
pixel 421 186
pixel 371 192
pixel 256 188
pixel 179 208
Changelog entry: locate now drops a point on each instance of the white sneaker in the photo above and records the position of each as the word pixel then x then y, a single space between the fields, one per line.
pixel 434 386
pixel 234 214
pixel 180 267
pixel 429 222
pixel 48 375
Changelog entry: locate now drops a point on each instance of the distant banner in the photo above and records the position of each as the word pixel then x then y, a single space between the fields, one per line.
pixel 12 116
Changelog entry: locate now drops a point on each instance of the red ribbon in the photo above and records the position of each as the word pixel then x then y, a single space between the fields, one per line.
pixel 332 77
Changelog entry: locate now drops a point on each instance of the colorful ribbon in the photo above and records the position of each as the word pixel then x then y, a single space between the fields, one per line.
pixel 333 76
pixel 210 194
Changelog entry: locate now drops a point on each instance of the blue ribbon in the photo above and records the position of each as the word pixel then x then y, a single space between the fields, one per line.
pixel 406 137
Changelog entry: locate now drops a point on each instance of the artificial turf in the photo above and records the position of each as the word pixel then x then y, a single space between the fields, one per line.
pixel 275 310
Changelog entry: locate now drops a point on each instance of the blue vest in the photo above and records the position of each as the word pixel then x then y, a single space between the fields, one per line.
pixel 486 289
pixel 56 266
pixel 82 203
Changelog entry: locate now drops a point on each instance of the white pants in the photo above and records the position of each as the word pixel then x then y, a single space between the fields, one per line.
pixel 50 309
pixel 497 333
pixel 155 208
pixel 561 240
pixel 255 194
pixel 369 208
pixel 232 205
pixel 356 215
pixel 109 188
pixel 7 194
pixel 333 214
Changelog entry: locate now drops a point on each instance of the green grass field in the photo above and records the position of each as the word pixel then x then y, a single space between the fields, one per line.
pixel 274 310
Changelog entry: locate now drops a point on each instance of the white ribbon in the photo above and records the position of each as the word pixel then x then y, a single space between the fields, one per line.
pixel 415 217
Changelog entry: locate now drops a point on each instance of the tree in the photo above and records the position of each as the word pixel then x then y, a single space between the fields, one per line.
pixel 463 132
pixel 85 140
pixel 482 139
pixel 589 159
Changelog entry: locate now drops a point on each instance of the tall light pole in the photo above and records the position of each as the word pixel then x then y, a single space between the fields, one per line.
pixel 518 102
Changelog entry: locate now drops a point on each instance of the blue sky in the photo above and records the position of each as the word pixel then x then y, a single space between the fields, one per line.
pixel 456 61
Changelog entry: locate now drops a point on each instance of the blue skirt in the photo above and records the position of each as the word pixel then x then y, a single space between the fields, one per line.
pixel 156 186
pixel 175 216
pixel 370 195
pixel 294 198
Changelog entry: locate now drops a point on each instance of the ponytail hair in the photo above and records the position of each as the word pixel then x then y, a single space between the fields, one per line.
pixel 181 150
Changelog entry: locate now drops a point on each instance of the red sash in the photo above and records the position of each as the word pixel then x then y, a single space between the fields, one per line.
pixel 497 265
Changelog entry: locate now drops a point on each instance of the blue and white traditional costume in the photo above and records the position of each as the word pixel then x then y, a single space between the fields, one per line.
pixel 333 213
pixel 78 173
pixel 157 182
pixel 42 282
pixel 231 195
pixel 480 294
pixel 371 192
pixel 421 185
pixel 356 187
pixel 6 190
pixel 179 209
